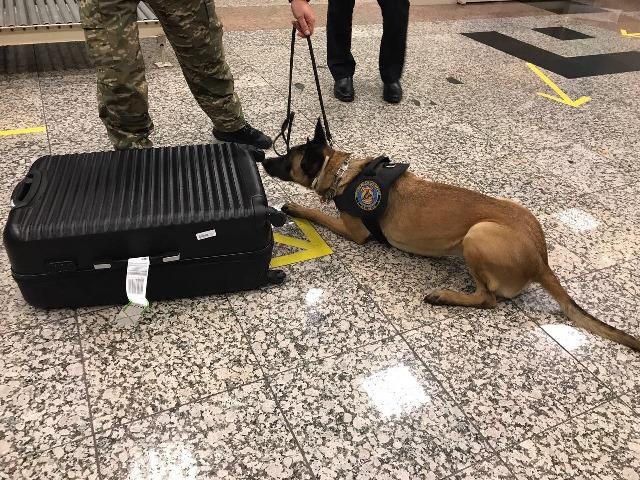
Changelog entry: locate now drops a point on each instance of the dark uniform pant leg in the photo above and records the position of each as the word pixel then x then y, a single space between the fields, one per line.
pixel 112 39
pixel 339 21
pixel 195 33
pixel 395 23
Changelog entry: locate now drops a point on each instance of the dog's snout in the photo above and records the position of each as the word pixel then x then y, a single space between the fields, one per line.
pixel 278 167
pixel 268 164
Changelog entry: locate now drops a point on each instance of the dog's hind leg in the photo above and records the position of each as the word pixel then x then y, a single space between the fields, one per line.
pixel 481 298
pixel 500 261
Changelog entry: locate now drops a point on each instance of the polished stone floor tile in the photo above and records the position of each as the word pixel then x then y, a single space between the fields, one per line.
pixel 71 109
pixel 20 95
pixel 320 311
pixel 594 231
pixel 376 412
pixel 237 434
pixel 17 314
pixel 611 295
pixel 273 50
pixel 507 374
pixel 43 346
pixel 492 469
pixel 19 152
pixel 76 460
pixel 41 408
pixel 600 444
pixel 177 118
pixel 402 280
pixel 179 351
pixel 581 169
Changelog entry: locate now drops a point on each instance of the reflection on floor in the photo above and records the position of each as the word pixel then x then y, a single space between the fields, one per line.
pixel 343 372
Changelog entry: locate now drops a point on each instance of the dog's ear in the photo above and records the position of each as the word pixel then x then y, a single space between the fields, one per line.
pixel 312 162
pixel 319 137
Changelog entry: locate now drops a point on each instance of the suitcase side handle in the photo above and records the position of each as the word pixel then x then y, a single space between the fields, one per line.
pixel 26 189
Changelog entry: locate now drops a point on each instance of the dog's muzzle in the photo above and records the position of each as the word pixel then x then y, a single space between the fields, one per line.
pixel 279 167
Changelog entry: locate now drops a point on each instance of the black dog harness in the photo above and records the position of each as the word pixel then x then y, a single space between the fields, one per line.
pixel 366 195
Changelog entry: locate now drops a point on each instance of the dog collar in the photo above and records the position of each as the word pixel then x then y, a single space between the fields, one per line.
pixel 332 191
pixel 314 184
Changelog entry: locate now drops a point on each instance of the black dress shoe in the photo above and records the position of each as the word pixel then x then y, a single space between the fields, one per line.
pixel 343 89
pixel 392 92
pixel 246 135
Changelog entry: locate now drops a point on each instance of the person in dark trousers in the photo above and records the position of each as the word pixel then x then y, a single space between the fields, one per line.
pixel 341 63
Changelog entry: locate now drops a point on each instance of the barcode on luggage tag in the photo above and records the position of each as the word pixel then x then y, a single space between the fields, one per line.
pixel 207 234
pixel 136 286
pixel 136 282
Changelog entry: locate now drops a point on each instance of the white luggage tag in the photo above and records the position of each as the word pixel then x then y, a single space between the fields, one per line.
pixel 137 274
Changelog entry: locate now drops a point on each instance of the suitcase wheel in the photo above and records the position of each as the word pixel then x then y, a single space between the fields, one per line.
pixel 276 277
pixel 276 217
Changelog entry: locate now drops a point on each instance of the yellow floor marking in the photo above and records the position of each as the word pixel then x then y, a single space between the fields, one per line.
pixel 562 97
pixel 22 131
pixel 313 247
pixel 628 34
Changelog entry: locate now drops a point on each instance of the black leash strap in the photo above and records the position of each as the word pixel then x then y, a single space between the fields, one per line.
pixel 315 74
pixel 285 129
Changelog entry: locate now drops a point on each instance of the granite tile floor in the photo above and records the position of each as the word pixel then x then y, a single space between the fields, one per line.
pixel 343 372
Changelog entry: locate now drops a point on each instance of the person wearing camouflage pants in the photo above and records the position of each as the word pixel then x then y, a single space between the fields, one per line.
pixel 195 32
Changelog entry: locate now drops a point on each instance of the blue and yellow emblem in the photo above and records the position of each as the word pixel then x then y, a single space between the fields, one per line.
pixel 368 195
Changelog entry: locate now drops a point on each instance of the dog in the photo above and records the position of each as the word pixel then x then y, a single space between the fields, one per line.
pixel 502 242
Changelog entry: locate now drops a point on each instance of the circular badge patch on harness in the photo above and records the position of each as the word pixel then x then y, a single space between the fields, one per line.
pixel 368 195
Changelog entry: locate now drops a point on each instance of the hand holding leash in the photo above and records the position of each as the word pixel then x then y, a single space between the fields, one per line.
pixel 305 19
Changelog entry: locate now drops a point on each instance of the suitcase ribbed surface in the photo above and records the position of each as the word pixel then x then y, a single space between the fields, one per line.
pixel 97 193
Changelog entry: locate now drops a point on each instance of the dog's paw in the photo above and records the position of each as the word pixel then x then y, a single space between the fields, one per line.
pixel 435 297
pixel 291 209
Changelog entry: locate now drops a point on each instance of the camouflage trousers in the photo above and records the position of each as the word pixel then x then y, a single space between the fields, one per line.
pixel 195 33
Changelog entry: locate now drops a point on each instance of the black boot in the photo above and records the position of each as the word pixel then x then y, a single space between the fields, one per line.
pixel 246 135
pixel 392 92
pixel 343 89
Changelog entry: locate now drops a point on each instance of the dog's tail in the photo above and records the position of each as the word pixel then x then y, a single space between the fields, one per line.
pixel 579 317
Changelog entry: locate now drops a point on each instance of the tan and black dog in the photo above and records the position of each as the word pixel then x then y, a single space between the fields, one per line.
pixel 501 241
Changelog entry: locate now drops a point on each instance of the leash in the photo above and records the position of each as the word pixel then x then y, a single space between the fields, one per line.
pixel 285 129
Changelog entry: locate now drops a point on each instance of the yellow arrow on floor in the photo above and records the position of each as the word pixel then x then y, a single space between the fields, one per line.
pixel 562 97
pixel 313 247
pixel 627 34
pixel 22 131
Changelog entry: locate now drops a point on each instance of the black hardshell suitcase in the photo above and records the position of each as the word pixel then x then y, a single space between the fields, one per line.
pixel 199 212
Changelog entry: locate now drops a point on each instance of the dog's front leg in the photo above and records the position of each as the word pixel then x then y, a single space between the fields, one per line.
pixel 346 226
